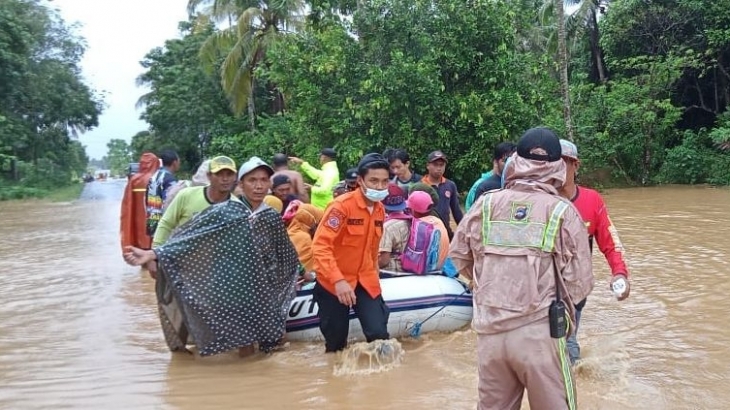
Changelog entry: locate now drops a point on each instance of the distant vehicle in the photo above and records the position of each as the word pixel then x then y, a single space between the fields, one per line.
pixel 102 174
pixel 132 169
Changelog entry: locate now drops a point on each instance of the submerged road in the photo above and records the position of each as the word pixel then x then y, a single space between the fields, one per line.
pixel 79 328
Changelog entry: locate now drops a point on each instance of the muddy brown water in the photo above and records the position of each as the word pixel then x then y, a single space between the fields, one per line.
pixel 79 330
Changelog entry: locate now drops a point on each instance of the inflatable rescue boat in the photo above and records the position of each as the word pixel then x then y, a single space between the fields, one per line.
pixel 411 299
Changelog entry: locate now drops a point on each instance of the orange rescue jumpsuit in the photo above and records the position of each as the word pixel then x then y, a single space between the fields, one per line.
pixel 133 220
pixel 346 248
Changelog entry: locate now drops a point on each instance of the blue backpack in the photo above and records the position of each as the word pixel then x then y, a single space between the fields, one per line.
pixel 421 254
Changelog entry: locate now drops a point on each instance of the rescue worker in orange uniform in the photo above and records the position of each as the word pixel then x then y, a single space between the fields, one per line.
pixel 133 220
pixel 346 258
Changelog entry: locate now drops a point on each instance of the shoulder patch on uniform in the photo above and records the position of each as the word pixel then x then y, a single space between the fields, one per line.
pixel 335 219
pixel 520 211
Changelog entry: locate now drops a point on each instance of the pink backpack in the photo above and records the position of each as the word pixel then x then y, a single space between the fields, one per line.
pixel 421 254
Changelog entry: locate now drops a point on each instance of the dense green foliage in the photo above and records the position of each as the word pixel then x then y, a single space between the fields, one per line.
pixel 44 103
pixel 649 83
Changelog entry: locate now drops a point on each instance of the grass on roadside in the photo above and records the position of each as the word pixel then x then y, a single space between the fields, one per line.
pixel 62 194
pixel 65 194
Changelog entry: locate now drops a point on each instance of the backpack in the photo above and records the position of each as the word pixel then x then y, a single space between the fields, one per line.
pixel 421 254
pixel 154 200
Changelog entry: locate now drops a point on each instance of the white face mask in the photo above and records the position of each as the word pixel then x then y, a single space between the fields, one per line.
pixel 376 195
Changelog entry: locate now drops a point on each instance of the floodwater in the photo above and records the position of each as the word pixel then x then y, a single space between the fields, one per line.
pixel 79 328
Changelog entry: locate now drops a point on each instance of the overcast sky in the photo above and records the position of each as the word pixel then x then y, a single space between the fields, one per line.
pixel 119 34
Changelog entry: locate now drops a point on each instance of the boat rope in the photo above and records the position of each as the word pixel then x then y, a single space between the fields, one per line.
pixel 415 330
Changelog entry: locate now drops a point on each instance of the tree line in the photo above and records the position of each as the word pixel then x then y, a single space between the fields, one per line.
pixel 44 102
pixel 647 82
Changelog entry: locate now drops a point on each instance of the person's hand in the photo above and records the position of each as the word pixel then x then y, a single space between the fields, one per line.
pixel 296 160
pixel 309 276
pixel 152 269
pixel 137 257
pixel 471 286
pixel 344 293
pixel 628 286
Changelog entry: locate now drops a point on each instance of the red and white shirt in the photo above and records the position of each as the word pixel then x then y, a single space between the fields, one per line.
pixel 593 210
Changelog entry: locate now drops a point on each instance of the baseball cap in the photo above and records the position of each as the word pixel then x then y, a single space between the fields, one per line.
pixel 419 201
pixel 252 164
pixel 569 149
pixel 396 199
pixel 436 155
pixel 351 175
pixel 329 152
pixel 279 180
pixel 368 159
pixel 539 144
pixel 220 163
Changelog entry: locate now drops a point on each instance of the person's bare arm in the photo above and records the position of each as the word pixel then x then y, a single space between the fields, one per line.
pixel 301 189
pixel 383 259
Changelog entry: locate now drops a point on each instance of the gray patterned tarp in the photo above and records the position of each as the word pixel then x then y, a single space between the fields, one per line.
pixel 227 278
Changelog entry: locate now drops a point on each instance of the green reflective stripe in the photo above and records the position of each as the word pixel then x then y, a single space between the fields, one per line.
pixel 565 369
pixel 551 232
pixel 486 217
pixel 521 233
pixel 567 375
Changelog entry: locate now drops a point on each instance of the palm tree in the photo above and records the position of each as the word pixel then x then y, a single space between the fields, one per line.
pixel 581 21
pixel 253 27
pixel 563 68
pixel 584 20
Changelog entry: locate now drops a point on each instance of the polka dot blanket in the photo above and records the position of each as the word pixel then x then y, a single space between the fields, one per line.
pixel 229 274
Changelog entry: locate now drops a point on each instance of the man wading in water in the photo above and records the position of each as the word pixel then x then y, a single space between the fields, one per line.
pixel 194 200
pixel 346 258
pixel 157 188
pixel 526 250
pixel 593 210
pixel 232 266
pixel 133 215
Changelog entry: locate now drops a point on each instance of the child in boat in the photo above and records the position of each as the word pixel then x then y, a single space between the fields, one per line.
pixel 301 231
pixel 396 230
pixel 420 205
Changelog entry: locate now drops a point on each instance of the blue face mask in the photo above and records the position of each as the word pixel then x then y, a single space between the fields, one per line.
pixel 375 195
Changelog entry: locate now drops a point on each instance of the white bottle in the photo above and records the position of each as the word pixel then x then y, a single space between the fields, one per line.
pixel 619 287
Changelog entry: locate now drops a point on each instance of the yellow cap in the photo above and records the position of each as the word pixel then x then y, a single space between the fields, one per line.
pixel 220 163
